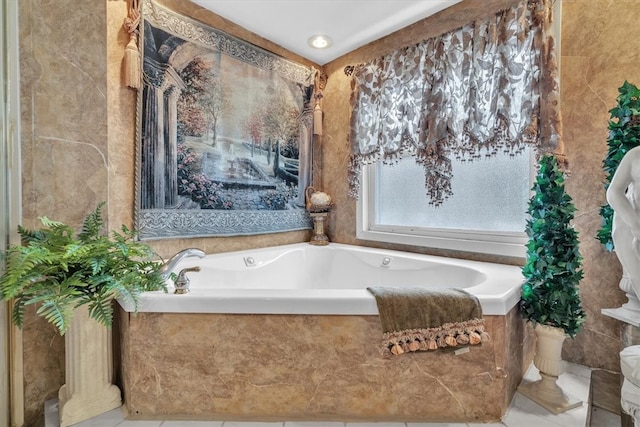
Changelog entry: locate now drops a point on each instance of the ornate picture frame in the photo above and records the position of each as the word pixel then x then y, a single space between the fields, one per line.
pixel 224 133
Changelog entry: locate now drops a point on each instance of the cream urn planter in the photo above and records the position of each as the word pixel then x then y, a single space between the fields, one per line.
pixel 88 390
pixel 548 360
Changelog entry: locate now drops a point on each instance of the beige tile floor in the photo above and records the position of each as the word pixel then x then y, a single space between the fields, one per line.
pixel 521 413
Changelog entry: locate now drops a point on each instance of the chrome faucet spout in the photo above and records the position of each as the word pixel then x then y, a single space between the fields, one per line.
pixel 167 268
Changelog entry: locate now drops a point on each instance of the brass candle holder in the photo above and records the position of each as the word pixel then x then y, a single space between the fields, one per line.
pixel 319 238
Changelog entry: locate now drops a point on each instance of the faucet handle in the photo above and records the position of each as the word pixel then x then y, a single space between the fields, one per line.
pixel 182 282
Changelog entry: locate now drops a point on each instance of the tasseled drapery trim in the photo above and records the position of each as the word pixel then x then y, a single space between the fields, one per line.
pixel 457 334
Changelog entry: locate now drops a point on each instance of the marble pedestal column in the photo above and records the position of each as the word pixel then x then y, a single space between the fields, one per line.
pixel 88 390
pixel 629 335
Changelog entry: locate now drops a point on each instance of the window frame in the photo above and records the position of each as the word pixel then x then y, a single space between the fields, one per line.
pixel 509 244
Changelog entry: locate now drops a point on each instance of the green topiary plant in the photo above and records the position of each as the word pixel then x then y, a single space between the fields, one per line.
pixel 624 134
pixel 60 271
pixel 553 265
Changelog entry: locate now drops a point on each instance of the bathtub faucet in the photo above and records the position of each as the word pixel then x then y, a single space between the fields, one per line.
pixel 166 268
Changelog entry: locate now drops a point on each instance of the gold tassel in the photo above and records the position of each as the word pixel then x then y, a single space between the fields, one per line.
pixel 451 341
pixel 474 338
pixel 462 338
pixel 319 85
pixel 131 75
pixel 131 64
pixel 397 349
pixel 317 119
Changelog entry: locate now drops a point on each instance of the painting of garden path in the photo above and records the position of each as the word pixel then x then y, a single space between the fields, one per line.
pixel 225 136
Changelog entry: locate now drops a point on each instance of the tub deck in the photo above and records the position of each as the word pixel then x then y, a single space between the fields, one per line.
pixel 305 279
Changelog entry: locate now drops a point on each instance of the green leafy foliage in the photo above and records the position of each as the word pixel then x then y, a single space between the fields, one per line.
pixel 553 268
pixel 60 271
pixel 624 134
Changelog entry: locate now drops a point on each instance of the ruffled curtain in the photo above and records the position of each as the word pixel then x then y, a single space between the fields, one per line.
pixel 488 86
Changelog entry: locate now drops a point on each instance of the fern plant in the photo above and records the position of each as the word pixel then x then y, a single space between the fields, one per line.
pixel 60 271
pixel 553 268
pixel 624 134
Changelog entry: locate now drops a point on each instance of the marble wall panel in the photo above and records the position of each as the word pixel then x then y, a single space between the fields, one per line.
pixel 216 366
pixel 597 57
pixel 63 146
pixel 64 115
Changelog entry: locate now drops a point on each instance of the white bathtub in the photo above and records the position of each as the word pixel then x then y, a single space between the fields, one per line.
pixel 306 279
pixel 279 333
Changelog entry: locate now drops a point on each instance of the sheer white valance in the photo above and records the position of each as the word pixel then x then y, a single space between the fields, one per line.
pixel 488 86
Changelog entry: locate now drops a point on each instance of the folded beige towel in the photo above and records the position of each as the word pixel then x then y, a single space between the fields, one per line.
pixel 415 319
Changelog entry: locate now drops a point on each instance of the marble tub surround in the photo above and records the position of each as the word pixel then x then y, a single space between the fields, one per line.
pixel 296 367
pixel 522 412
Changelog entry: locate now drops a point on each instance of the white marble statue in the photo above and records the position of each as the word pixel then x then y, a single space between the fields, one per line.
pixel 623 196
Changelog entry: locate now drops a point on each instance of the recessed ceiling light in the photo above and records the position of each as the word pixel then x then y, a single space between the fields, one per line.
pixel 319 42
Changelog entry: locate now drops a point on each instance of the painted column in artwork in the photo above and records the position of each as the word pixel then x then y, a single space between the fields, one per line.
pixel 157 147
pixel 171 149
pixel 162 86
pixel 146 161
pixel 152 149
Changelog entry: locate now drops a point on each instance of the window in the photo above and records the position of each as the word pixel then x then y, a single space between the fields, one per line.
pixel 487 212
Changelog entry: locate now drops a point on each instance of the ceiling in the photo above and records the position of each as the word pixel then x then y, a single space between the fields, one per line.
pixel 349 23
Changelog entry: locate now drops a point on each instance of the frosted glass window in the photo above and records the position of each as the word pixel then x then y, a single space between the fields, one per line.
pixel 489 194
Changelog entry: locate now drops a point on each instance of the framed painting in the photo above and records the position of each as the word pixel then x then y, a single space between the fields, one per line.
pixel 224 133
